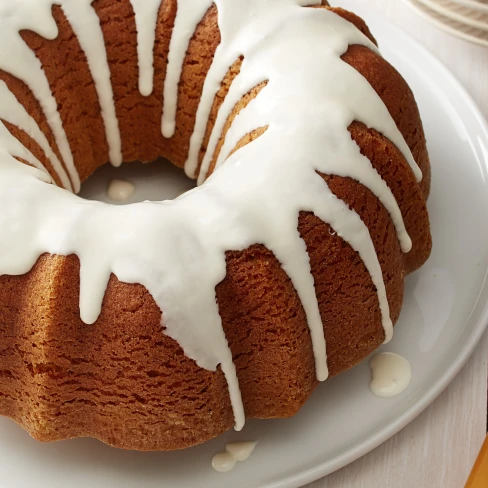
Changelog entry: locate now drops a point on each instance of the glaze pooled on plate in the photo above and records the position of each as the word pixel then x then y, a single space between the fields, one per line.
pixel 390 374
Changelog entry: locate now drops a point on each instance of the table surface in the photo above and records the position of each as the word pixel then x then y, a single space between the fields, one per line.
pixel 439 447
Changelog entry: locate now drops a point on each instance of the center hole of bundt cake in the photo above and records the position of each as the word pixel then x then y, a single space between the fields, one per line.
pixel 136 182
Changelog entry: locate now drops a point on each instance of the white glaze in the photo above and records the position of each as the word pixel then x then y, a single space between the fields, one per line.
pixel 240 451
pixel 223 462
pixel 390 374
pixel 13 112
pixel 188 16
pixel 226 461
pixel 86 26
pixel 10 147
pixel 146 15
pixel 176 249
pixel 17 59
pixel 120 190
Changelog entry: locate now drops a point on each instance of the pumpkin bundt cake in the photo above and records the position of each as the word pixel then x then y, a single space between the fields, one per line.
pixel 160 325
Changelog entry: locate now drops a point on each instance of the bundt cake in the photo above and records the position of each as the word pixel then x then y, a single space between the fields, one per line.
pixel 159 325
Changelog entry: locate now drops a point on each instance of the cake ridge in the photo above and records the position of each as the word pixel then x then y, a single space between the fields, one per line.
pixel 194 232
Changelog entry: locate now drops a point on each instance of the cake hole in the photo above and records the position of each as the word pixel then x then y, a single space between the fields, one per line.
pixel 156 181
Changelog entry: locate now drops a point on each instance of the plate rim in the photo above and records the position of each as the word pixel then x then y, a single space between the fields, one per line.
pixel 389 430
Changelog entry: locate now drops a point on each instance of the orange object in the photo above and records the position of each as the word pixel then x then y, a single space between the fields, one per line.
pixel 479 474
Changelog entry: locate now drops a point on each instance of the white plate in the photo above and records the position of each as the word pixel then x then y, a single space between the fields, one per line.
pixel 443 318
pixel 449 24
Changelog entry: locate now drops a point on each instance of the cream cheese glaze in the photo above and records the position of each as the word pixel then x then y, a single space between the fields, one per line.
pixel 120 190
pixel 390 374
pixel 241 451
pixel 225 461
pixel 176 249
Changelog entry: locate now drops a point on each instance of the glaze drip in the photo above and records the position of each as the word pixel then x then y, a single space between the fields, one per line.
pixel 188 16
pixel 176 249
pixel 146 15
pixel 21 62
pixel 13 112
pixel 86 26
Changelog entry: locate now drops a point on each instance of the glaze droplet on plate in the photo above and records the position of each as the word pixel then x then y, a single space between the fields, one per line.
pixel 120 190
pixel 240 451
pixel 390 374
pixel 223 462
pixel 235 451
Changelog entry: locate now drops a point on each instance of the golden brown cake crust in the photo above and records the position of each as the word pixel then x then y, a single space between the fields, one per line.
pixel 121 379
